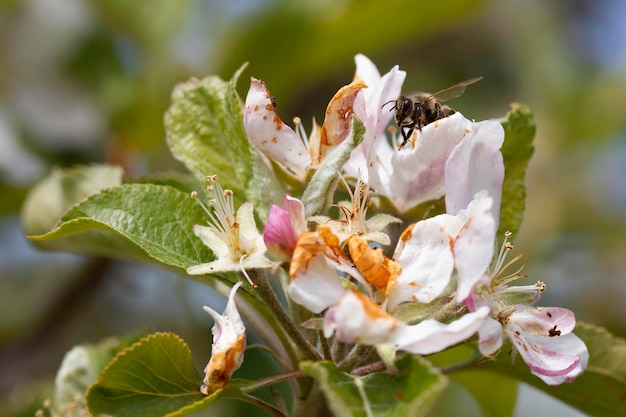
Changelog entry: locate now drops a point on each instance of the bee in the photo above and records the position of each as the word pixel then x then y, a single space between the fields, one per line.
pixel 417 110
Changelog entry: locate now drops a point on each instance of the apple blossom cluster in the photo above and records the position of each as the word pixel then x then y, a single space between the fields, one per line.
pixel 438 283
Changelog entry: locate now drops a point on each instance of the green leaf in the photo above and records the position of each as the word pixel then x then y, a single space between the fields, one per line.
pixel 51 197
pixel 599 391
pixel 205 131
pixel 81 366
pixel 183 182
pixel 408 393
pixel 519 131
pixel 155 376
pixel 194 132
pixel 319 193
pixel 134 221
pixel 495 393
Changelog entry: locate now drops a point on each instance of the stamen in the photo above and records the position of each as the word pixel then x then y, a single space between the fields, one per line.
pixel 245 274
pixel 356 215
pixel 300 130
pixel 223 217
pixel 541 286
pixel 194 195
pixel 499 265
pixel 504 249
pixel 512 276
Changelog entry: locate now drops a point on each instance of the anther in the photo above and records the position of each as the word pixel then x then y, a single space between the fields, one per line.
pixel 541 286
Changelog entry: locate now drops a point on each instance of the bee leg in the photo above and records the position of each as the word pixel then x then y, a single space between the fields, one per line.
pixel 407 132
pixel 439 112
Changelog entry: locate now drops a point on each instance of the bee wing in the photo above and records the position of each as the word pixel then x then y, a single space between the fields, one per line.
pixel 454 91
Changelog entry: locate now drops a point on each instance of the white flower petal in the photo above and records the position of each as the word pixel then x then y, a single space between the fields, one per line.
pixel 554 355
pixel 570 345
pixel 208 236
pixel 431 336
pixel 476 164
pixel 543 362
pixel 490 337
pixel 366 70
pixel 268 132
pixel 318 286
pixel 255 261
pixel 474 245
pixel 229 343
pixel 544 321
pixel 371 158
pixel 419 170
pixel 355 319
pixel 425 255
pixel 247 225
pixel 219 265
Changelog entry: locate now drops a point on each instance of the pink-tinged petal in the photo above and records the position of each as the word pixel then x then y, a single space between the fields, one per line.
pixel 284 225
pixel 380 90
pixel 542 361
pixel 317 287
pixel 544 321
pixel 475 165
pixel 295 208
pixel 431 336
pixel 374 153
pixel 424 252
pixel 474 245
pixel 356 319
pixel 553 355
pixel 338 118
pixel 490 337
pixel 419 168
pixel 279 234
pixel 268 132
pixel 571 345
pixel 366 70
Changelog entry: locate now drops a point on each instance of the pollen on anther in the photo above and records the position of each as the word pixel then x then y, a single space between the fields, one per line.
pixel 541 286
pixel 194 194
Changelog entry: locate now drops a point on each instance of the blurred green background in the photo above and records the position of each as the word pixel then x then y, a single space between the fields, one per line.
pixel 89 81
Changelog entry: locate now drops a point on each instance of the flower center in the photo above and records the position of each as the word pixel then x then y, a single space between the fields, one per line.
pixel 355 215
pixel 223 219
pixel 499 293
